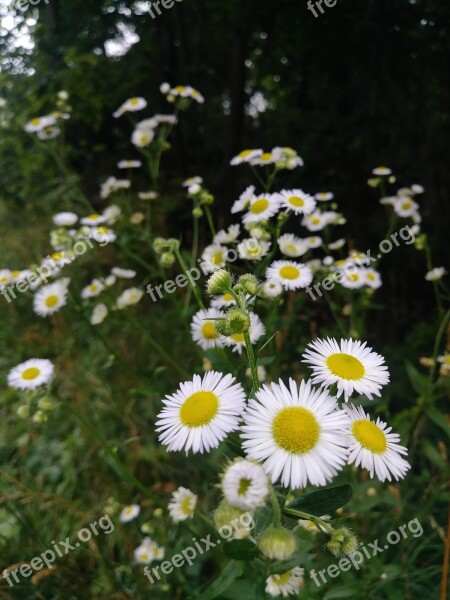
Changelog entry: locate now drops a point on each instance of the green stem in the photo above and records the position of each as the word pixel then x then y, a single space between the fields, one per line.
pixel 276 508
pixel 335 315
pixel 189 277
pixel 252 361
pixel 210 220
pixel 316 520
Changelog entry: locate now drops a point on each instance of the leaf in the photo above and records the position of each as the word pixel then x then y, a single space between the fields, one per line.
pixel 240 550
pixel 321 502
pixel 418 380
pixel 440 419
pixel 233 443
pixel 348 590
pixel 233 570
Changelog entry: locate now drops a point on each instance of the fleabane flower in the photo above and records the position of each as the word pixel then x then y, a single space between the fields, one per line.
pixel 201 413
pixel 382 171
pixel 93 289
pixel 203 328
pixel 291 245
pixel 290 274
pixel 236 341
pixel 244 485
pixel 405 207
pixel 182 505
pixel 297 433
pixel 128 513
pixel 227 237
pixel 315 221
pixel 214 257
pixel 253 249
pixel 435 274
pixel 353 278
pixel 65 219
pixel 99 314
pixel 50 298
pixel 350 364
pixel 129 297
pixel 285 584
pixel 244 199
pixel 123 273
pixel 245 156
pixel 297 201
pixel 324 196
pixel 131 105
pixel 31 374
pixel 261 208
pixel 374 447
pixel 271 288
pixel 372 278
pixel 148 551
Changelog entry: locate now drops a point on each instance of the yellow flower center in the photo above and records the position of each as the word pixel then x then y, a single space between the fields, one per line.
pixel 209 331
pixel 296 429
pixel 244 484
pixel 291 248
pixel 289 272
pixel 345 366
pixel 217 258
pixel 237 337
pixel 353 277
pixel 266 156
pixel 371 276
pixel 30 373
pixel 93 217
pixel 93 287
pixel 199 409
pixel 35 121
pixel 282 579
pixel 51 301
pixel 244 153
pixel 227 297
pixel 134 101
pixel 144 556
pixel 406 205
pixel 144 138
pixel 315 221
pixel 128 511
pixel 369 436
pixel 259 206
pixel 180 88
pixel 446 360
pixel 186 506
pixel 296 201
pixel 4 280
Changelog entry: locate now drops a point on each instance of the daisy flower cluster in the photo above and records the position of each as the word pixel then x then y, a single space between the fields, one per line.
pixel 181 95
pixel 48 127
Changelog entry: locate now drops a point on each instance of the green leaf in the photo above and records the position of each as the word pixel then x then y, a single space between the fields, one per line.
pixel 419 381
pixel 440 419
pixel 234 444
pixel 233 570
pixel 321 502
pixel 347 590
pixel 240 550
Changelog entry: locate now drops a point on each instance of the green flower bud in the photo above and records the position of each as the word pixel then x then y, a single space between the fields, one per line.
pixel 207 198
pixel 250 283
pixel 158 513
pixel 197 212
pixel 219 283
pixel 23 411
pixel 222 327
pixel 39 417
pixel 226 515
pixel 374 182
pixel 147 528
pixel 277 543
pixel 46 403
pixel 237 320
pixel 342 542
pixel 159 245
pixel 167 259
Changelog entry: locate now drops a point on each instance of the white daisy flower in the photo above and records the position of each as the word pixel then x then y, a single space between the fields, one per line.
pixel 182 505
pixel 315 221
pixel 297 201
pixel 236 341
pixel 351 364
pixel 123 273
pixel 227 237
pixel 244 485
pixel 262 208
pixel 214 257
pixel 285 584
pixel 201 413
pixel 203 328
pixel 142 137
pixel 313 241
pixel 291 245
pixel 417 189
pixel 148 551
pixel 245 156
pixel 244 199
pixel 102 235
pixel 337 245
pixel 272 288
pixel 286 158
pixel 129 164
pixel 382 171
pixel 110 280
pixel 266 158
pixel 150 195
pixel 5 277
pixel 374 447
pixel 93 289
pixel 65 219
pixel 314 264
pixel 353 278
pixel 99 314
pixel 130 105
pixel 444 359
pixel 31 374
pixel 93 219
pixel 290 274
pixel 50 298
pixel 324 196
pixel 224 301
pixel 297 433
pixel 405 207
pixel 435 274
pixel 129 297
pixel 40 123
pixel 194 189
pixel 253 249
pixel 128 513
pixel 111 185
pixel 372 278
pixel 192 180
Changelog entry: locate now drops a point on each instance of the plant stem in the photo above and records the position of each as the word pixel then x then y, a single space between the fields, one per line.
pixel 276 508
pixel 189 276
pixel 252 361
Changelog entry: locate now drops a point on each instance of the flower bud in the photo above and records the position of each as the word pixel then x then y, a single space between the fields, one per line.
pixel 23 411
pixel 342 542
pixel 228 516
pixel 237 320
pixel 219 283
pixel 250 283
pixel 159 245
pixel 46 403
pixel 39 417
pixel 167 259
pixel 277 543
pixel 197 212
